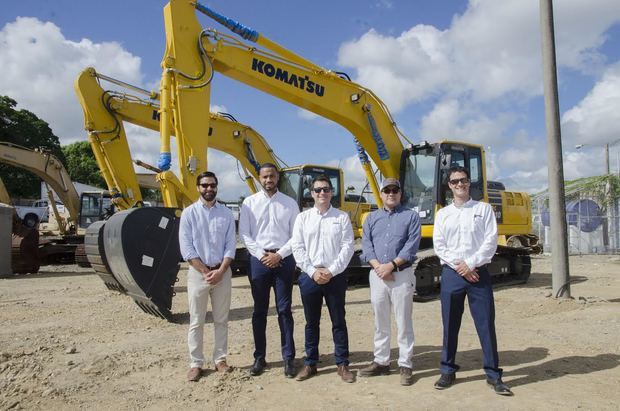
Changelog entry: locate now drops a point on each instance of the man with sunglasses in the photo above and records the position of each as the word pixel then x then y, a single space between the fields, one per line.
pixel 323 245
pixel 207 241
pixel 390 240
pixel 465 239
pixel 266 226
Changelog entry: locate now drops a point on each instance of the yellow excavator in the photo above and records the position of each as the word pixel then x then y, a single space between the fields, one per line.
pixel 105 113
pixel 61 239
pixel 193 55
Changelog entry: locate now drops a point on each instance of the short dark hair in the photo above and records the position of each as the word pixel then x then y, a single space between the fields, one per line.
pixel 457 169
pixel 323 178
pixel 267 165
pixel 205 174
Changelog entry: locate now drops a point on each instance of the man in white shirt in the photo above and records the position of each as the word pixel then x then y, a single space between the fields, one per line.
pixel 465 239
pixel 207 242
pixel 266 226
pixel 323 245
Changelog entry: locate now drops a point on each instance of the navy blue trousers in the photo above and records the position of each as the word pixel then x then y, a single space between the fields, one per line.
pixel 312 295
pixel 454 288
pixel 262 280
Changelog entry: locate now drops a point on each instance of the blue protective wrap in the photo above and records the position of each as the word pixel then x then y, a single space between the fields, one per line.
pixel 236 27
pixel 361 153
pixel 164 161
pixel 250 156
pixel 381 150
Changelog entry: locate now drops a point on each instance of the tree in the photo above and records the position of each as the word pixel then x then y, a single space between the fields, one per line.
pixel 81 164
pixel 24 128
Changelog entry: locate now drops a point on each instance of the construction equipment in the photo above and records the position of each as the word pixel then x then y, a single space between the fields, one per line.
pixel 192 56
pixel 105 112
pixel 62 237
pixel 421 168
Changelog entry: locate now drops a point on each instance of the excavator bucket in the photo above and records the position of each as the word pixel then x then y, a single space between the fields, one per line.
pixel 142 250
pixel 24 248
pixel 95 253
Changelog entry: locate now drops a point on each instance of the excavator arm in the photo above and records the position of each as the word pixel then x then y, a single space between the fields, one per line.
pixel 49 169
pixel 105 112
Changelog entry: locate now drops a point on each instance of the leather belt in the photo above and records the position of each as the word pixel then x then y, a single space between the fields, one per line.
pixel 215 267
pixel 272 250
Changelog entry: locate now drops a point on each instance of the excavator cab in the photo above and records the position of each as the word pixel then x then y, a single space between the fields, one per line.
pixel 94 206
pixel 295 182
pixel 425 175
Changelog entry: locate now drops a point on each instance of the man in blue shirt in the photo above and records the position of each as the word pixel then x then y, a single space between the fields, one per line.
pixel 207 241
pixel 390 240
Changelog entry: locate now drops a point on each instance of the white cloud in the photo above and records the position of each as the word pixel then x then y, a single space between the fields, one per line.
pixel 596 119
pixel 491 51
pixel 39 66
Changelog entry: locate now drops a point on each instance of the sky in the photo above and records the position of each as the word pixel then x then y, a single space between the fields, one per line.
pixel 453 69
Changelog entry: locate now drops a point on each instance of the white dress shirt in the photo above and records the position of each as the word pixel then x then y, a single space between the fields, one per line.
pixel 467 233
pixel 266 223
pixel 322 240
pixel 207 233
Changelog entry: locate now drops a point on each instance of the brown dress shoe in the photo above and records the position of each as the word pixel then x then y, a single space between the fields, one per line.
pixel 374 369
pixel 406 376
pixel 194 374
pixel 306 372
pixel 345 373
pixel 223 367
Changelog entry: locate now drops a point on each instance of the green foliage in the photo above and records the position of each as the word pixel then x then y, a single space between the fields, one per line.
pixel 81 164
pixel 24 128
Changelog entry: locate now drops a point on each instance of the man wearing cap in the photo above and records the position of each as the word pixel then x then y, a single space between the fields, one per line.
pixel 390 240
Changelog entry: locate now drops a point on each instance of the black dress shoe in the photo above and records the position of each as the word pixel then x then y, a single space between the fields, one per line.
pixel 290 371
pixel 499 387
pixel 258 367
pixel 445 381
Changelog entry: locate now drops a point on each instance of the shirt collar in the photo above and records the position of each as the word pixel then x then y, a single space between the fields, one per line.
pixel 203 202
pixel 396 209
pixel 316 210
pixel 267 197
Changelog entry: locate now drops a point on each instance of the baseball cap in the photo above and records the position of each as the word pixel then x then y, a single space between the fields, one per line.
pixel 390 182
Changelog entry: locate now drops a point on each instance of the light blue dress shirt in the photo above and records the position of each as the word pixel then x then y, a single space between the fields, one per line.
pixel 207 233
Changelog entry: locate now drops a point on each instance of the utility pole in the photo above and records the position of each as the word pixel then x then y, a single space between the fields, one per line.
pixel 607 159
pixel 557 207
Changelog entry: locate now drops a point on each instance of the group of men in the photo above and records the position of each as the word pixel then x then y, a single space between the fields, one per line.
pixel 319 241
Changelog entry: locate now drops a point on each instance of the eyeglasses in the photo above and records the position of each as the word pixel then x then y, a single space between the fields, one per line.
pixel 394 190
pixel 208 185
pixel 463 180
pixel 323 189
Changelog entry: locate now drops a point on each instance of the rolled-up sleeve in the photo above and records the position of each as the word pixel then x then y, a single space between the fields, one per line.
pixel 410 248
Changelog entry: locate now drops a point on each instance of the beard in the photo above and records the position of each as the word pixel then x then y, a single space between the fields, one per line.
pixel 209 195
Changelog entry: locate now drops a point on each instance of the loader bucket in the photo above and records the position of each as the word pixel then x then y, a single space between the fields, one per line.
pixel 142 249
pixel 95 253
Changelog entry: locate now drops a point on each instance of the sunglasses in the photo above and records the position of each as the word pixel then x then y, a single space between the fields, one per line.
pixel 463 180
pixel 208 185
pixel 395 190
pixel 323 189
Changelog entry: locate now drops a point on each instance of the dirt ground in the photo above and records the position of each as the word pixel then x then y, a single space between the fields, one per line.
pixel 66 342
